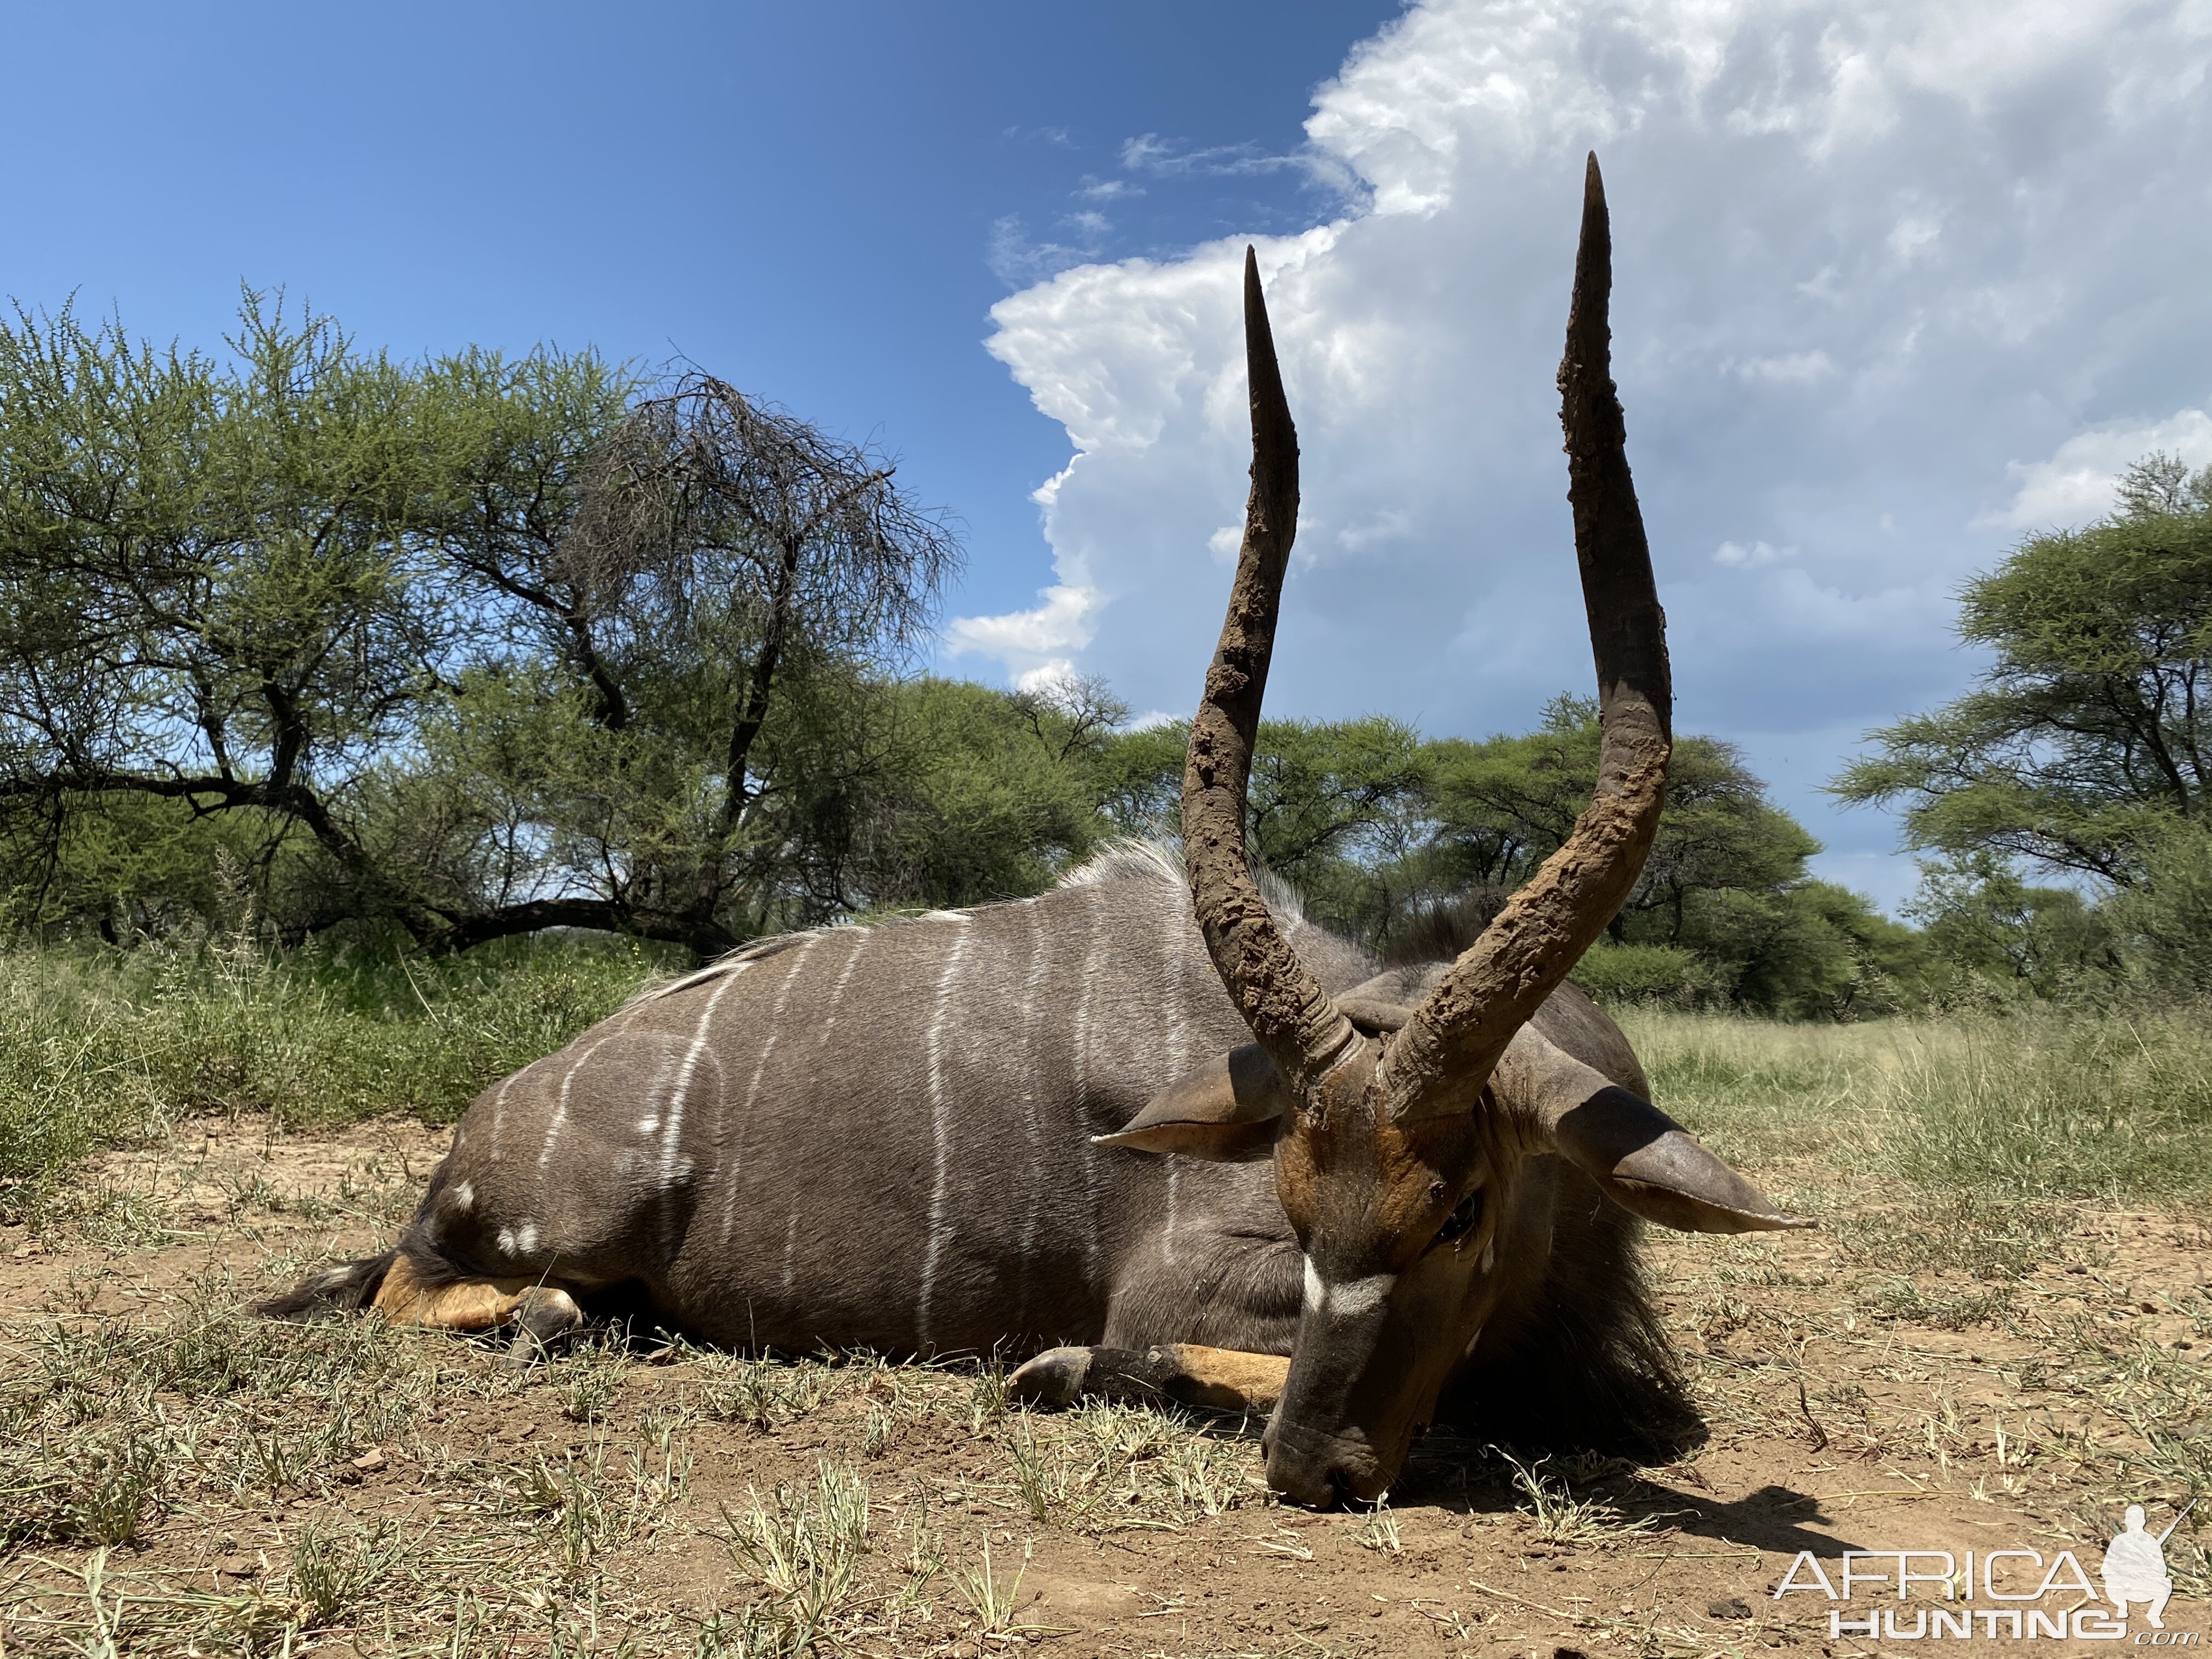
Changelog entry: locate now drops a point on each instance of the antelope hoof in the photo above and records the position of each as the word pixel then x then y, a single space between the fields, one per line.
pixel 541 1318
pixel 1055 1377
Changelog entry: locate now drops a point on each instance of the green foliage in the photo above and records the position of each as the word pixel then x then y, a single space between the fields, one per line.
pixel 1647 973
pixel 983 795
pixel 2093 726
pixel 1803 949
pixel 1504 805
pixel 474 646
pixel 2035 1101
pixel 96 1046
pixel 1724 912
pixel 219 594
pixel 2084 750
pixel 1979 916
pixel 461 649
pixel 2164 923
pixel 1412 845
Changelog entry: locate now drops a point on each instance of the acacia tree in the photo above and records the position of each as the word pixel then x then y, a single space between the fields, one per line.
pixel 477 645
pixel 714 618
pixel 1414 845
pixel 2090 734
pixel 211 596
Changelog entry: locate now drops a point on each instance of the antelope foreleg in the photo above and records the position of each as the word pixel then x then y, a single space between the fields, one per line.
pixel 539 1312
pixel 1219 1379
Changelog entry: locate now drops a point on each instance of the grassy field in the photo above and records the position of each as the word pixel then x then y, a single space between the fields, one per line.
pixel 1997 1335
pixel 98 1048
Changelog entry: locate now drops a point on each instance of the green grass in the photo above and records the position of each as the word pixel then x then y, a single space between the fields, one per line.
pixel 177 1477
pixel 2045 1103
pixel 98 1046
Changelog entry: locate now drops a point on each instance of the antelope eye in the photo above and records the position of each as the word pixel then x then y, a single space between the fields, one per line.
pixel 1462 1221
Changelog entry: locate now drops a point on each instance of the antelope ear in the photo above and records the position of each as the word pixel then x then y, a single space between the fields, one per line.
pixel 1641 1159
pixel 1229 1110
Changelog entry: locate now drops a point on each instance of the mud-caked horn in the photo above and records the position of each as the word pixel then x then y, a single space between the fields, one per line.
pixel 1291 1016
pixel 1447 1050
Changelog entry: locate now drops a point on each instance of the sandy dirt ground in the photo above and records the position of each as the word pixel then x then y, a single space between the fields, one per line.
pixel 1945 1379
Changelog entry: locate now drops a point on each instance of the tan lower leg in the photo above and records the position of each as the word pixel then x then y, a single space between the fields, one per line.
pixel 1221 1379
pixel 461 1304
pixel 1227 1379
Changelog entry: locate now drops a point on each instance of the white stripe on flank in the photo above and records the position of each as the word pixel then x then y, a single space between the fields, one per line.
pixel 941 1133
pixel 790 1250
pixel 499 1111
pixel 1168 1232
pixel 1090 965
pixel 560 1103
pixel 731 1177
pixel 837 991
pixel 1177 1036
pixel 673 1119
pixel 613 1024
pixel 1175 993
pixel 1033 1214
pixel 1081 1043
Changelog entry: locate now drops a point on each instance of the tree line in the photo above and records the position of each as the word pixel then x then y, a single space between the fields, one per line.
pixel 449 651
pixel 2084 753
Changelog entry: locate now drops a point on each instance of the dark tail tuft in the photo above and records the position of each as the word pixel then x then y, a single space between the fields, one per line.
pixel 341 1290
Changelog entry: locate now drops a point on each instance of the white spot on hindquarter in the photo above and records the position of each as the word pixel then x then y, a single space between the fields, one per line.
pixel 518 1240
pixel 646 1126
pixel 463 1198
pixel 613 1029
pixel 731 1177
pixel 941 1133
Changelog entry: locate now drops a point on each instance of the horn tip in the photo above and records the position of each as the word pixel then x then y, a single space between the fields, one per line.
pixel 1782 1223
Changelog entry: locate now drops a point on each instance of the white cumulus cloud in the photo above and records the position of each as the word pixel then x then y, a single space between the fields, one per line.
pixel 2076 484
pixel 1865 258
pixel 1033 644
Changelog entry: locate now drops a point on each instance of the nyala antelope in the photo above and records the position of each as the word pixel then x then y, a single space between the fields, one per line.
pixel 1189 1148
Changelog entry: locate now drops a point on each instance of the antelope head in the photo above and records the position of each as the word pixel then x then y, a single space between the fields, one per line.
pixel 1402 1139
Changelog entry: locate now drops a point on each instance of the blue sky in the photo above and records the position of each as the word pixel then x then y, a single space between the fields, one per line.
pixel 1895 289
pixel 807 199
